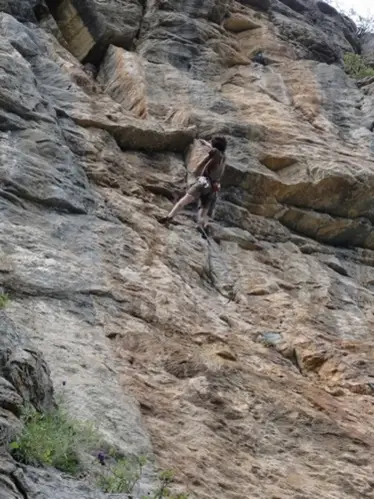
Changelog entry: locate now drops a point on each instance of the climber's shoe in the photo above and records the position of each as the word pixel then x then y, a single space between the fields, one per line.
pixel 203 231
pixel 164 220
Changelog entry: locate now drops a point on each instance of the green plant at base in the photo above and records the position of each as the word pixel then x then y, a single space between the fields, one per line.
pixel 356 67
pixel 122 477
pixel 52 439
pixel 166 477
pixel 4 299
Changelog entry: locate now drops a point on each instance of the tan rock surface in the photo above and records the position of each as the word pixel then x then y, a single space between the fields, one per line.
pixel 246 365
pixel 122 76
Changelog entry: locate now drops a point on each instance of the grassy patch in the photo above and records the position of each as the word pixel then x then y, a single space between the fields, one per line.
pixel 356 67
pixel 4 300
pixel 122 476
pixel 125 474
pixel 53 439
pixel 166 478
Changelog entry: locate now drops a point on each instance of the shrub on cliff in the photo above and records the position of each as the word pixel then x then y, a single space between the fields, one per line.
pixel 124 475
pixel 4 299
pixel 52 439
pixel 364 24
pixel 121 476
pixel 356 67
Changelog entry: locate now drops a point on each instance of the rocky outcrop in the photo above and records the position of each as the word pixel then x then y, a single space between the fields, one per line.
pixel 25 379
pixel 24 11
pixel 29 374
pixel 315 29
pixel 18 484
pixel 122 77
pixel 82 27
pixel 123 19
pixel 246 364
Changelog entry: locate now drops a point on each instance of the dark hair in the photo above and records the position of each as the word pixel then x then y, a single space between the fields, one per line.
pixel 219 143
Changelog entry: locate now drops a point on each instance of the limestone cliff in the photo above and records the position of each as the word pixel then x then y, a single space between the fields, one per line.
pixel 247 365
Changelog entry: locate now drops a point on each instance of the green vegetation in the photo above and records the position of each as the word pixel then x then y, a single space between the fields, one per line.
pixel 166 478
pixel 4 299
pixel 54 439
pixel 122 476
pixel 355 66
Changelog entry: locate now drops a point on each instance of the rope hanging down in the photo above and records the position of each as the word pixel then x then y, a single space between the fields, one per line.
pixel 232 293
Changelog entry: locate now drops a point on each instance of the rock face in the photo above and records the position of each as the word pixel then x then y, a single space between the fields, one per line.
pixel 84 30
pixel 122 19
pixel 24 377
pixel 368 49
pixel 24 11
pixel 324 36
pixel 245 365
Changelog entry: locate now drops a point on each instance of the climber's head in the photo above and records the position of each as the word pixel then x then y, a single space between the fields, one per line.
pixel 219 143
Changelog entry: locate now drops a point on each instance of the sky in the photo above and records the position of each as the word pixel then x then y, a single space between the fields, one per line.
pixel 363 7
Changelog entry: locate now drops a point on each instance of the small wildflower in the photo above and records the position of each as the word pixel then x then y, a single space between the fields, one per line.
pixel 101 458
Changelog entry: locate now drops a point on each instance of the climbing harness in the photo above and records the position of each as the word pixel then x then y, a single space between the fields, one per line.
pixel 203 181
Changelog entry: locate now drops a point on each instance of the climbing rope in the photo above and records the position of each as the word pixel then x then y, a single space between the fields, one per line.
pixel 233 291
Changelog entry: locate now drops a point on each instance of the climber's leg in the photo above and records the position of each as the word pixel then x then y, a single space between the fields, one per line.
pixel 207 204
pixel 184 201
pixel 212 205
pixel 202 217
pixel 192 194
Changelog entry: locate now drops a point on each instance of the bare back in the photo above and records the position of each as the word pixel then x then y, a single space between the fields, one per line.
pixel 215 166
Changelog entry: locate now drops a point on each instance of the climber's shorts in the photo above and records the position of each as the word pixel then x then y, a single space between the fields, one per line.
pixel 202 190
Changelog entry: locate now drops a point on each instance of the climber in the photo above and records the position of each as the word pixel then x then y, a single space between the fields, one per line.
pixel 260 59
pixel 209 173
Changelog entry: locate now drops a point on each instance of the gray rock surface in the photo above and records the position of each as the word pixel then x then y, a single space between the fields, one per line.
pixel 20 9
pixel 28 372
pixel 42 173
pixel 10 400
pixel 30 379
pixel 18 483
pixel 45 484
pixel 10 408
pixel 123 18
pixel 257 4
pixel 316 29
pixel 147 331
pixel 368 49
